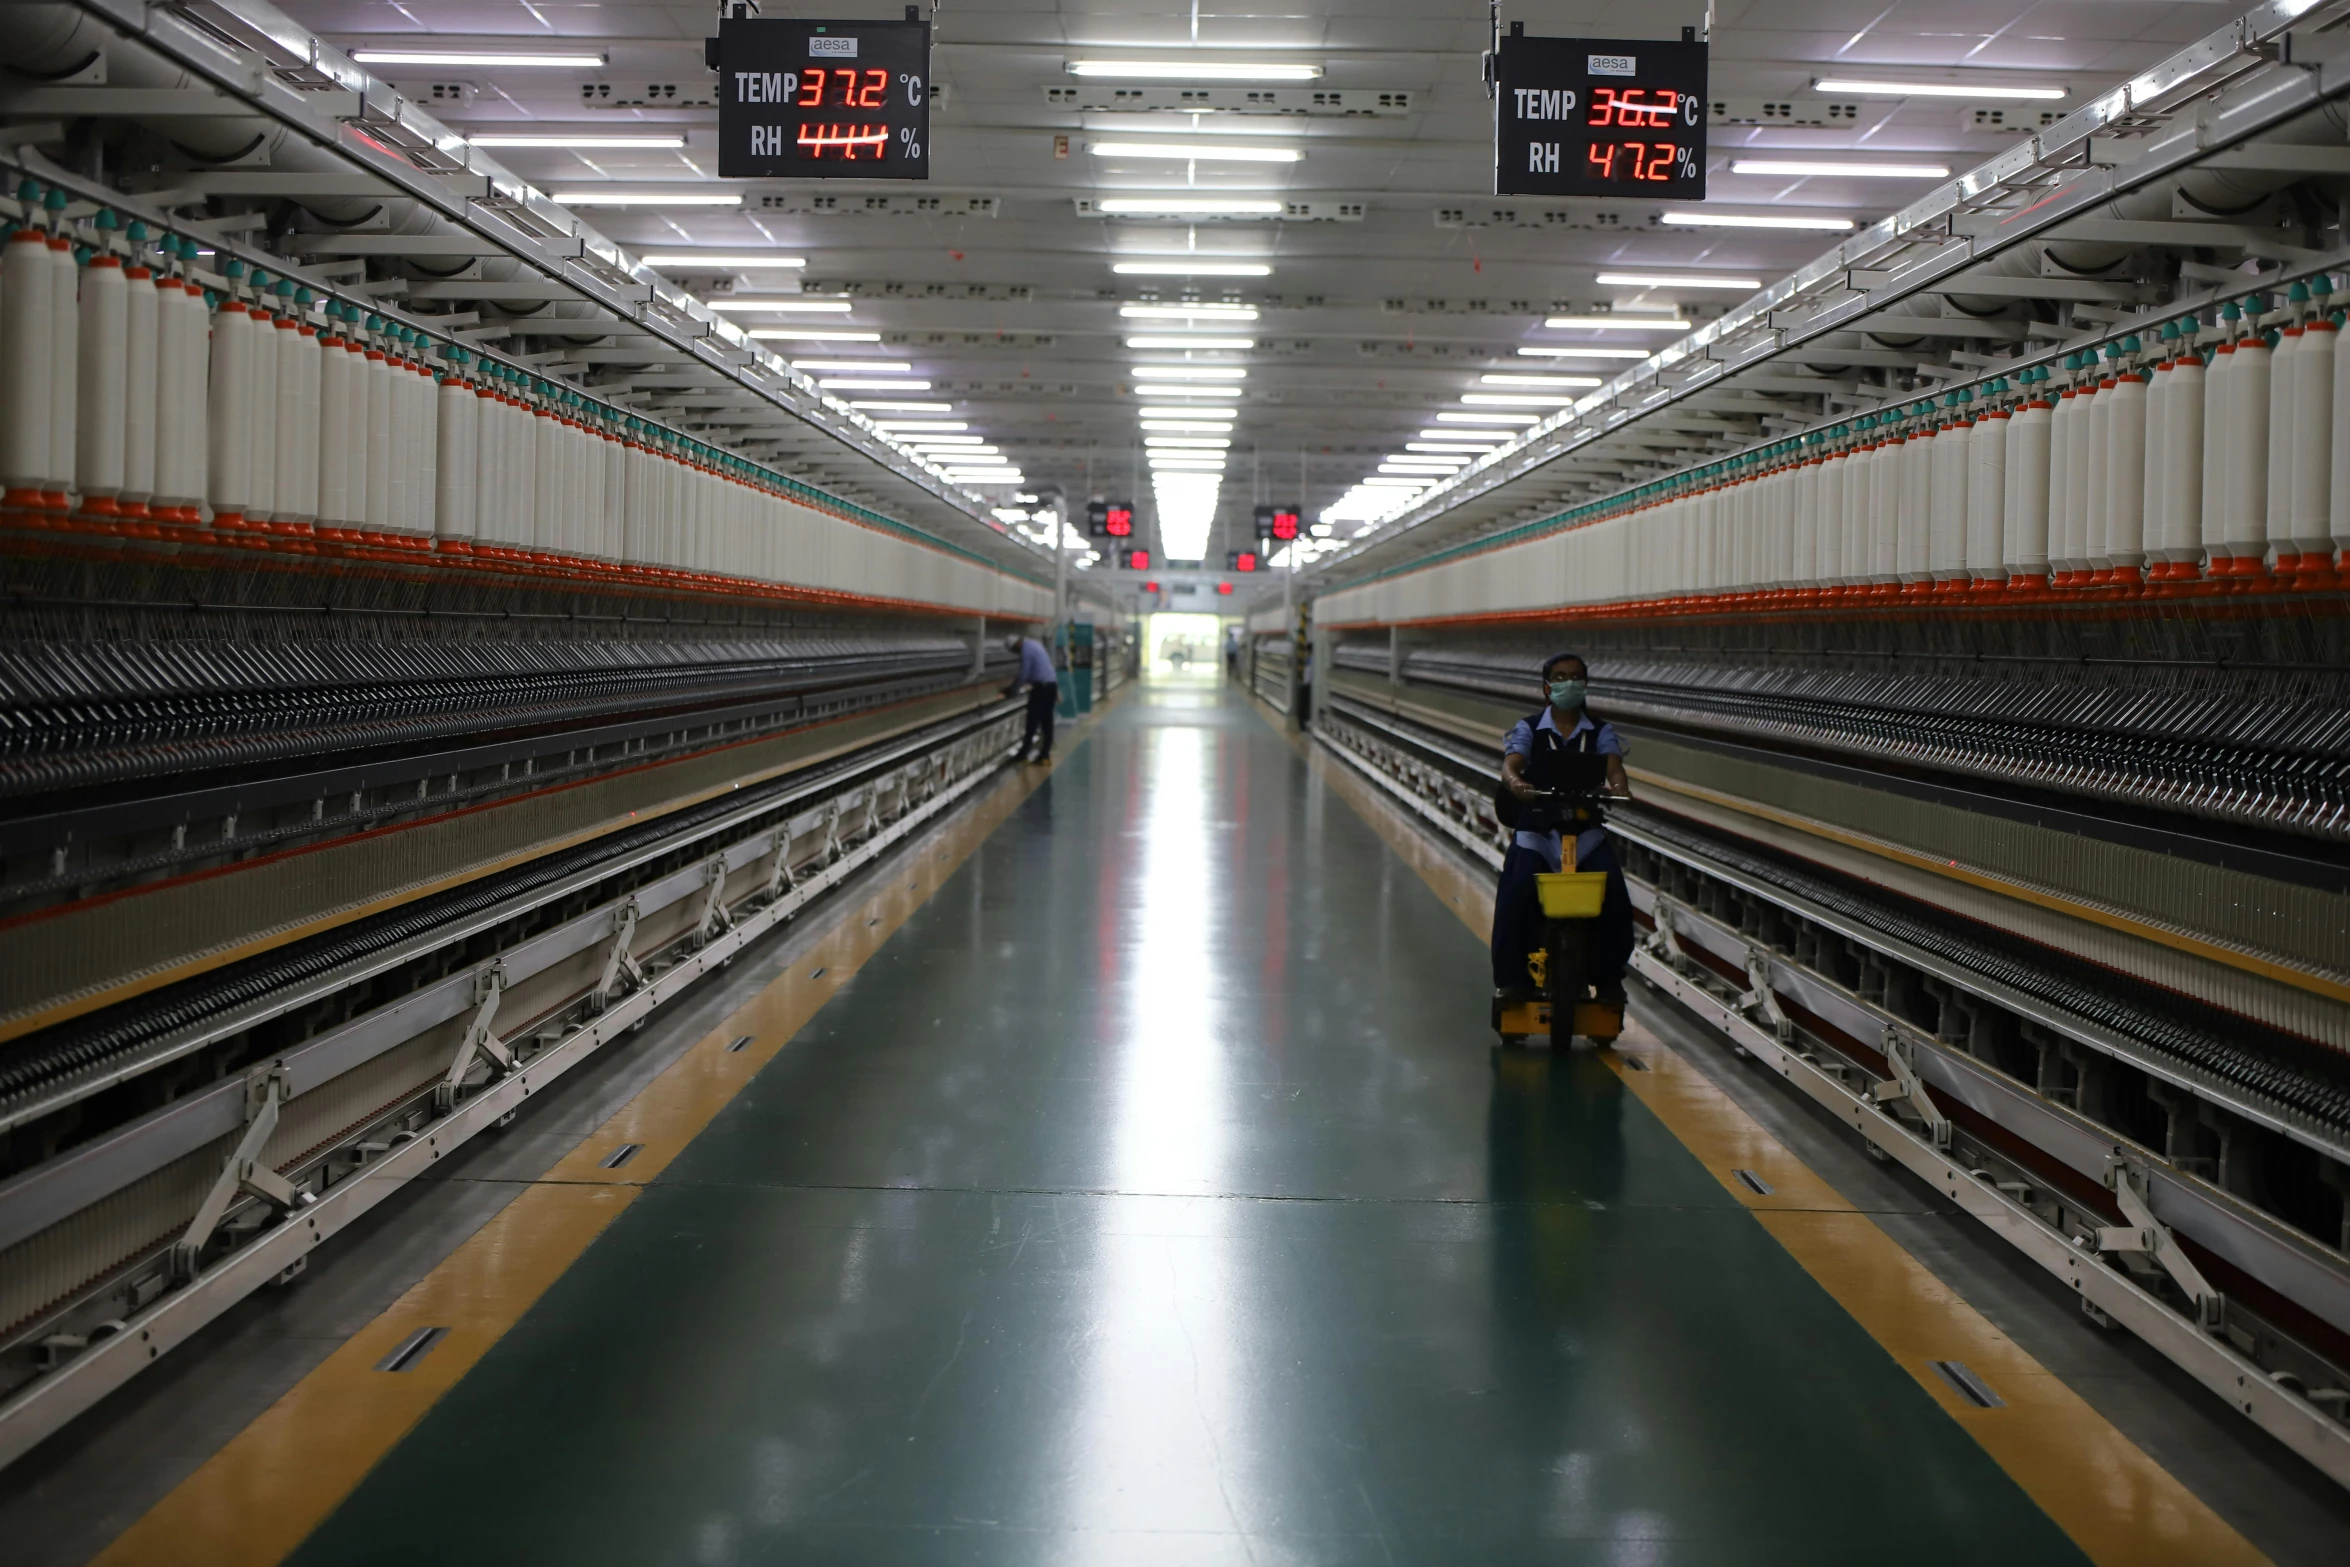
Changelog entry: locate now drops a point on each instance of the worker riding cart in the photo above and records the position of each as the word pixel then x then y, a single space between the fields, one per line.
pixel 1562 917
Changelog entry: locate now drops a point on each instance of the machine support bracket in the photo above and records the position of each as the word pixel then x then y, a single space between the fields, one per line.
pixel 714 918
pixel 480 1039
pixel 833 848
pixel 1661 941
pixel 779 877
pixel 243 1174
pixel 2148 1236
pixel 1764 999
pixel 1907 1087
pixel 620 968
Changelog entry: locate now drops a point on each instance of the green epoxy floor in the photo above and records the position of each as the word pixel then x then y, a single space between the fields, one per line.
pixel 1155 1197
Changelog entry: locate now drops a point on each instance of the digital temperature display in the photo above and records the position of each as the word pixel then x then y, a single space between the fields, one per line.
pixel 1599 117
pixel 819 100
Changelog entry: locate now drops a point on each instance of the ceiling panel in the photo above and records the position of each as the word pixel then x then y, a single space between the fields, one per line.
pixel 1366 329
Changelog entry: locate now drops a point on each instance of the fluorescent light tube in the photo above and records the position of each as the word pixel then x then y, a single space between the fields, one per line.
pixel 1742 220
pixel 644 198
pixel 1191 71
pixel 1807 168
pixel 892 406
pixel 1233 345
pixel 730 262
pixel 1233 313
pixel 1189 373
pixel 793 334
pixel 1392 482
pixel 1448 449
pixel 1516 399
pixel 877 366
pixel 1660 280
pixel 1583 353
pixel 1869 87
pixel 1224 414
pixel 584 140
pixel 1191 269
pixel 1182 389
pixel 1209 442
pixel 1626 322
pixel 1185 426
pixel 921 426
pixel 1184 207
pixel 1482 418
pixel 560 62
pixel 796 307
pixel 1195 151
pixel 859 383
pixel 1538 380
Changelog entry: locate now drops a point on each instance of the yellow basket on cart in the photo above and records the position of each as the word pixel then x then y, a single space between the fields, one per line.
pixel 1571 895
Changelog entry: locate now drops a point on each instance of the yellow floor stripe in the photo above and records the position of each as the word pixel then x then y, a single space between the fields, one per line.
pixel 2117 1504
pixel 261 1495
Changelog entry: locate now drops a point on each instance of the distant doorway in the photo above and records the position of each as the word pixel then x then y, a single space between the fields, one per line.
pixel 1182 647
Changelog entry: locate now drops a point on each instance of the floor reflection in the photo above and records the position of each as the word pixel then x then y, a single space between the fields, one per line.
pixel 1162 1389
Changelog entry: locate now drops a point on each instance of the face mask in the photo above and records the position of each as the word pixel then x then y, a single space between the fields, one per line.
pixel 1566 694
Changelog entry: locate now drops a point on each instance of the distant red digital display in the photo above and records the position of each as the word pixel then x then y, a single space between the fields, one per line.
pixel 1600 117
pixel 801 99
pixel 852 142
pixel 1284 524
pixel 1120 523
pixel 1635 108
pixel 1657 161
pixel 847 89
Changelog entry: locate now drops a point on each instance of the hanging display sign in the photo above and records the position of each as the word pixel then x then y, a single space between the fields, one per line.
pixel 1277 522
pixel 1599 117
pixel 823 100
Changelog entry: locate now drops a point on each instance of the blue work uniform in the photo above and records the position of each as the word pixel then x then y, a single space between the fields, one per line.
pixel 1044 696
pixel 1516 906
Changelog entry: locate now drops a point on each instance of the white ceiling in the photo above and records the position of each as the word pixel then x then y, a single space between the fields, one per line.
pixel 1366 328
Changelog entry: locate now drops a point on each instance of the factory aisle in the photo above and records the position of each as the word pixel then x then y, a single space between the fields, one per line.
pixel 1155 1195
